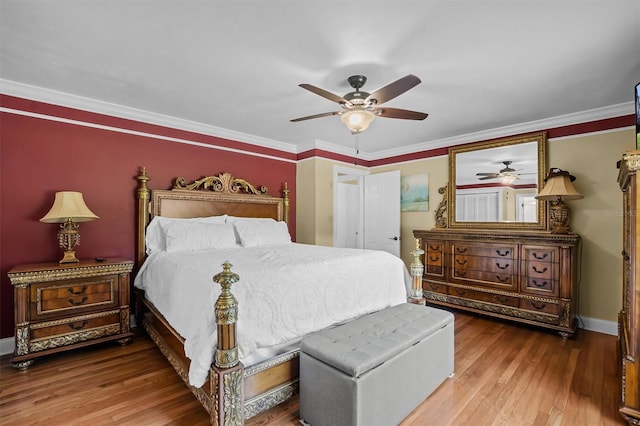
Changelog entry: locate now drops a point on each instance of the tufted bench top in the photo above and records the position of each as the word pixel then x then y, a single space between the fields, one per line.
pixel 366 342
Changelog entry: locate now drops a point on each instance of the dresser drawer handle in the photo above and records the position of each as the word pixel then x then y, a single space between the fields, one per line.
pixel 544 255
pixel 78 327
pixel 461 262
pixel 502 280
pixel 461 250
pixel 434 258
pixel 502 299
pixel 460 292
pixel 540 306
pixel 84 288
pixel 433 286
pixel 506 253
pixel 74 303
pixel 502 267
pixel 434 248
pixel 543 284
pixel 540 272
pixel 461 273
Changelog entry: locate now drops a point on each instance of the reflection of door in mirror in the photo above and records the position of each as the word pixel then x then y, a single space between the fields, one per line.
pixel 496 182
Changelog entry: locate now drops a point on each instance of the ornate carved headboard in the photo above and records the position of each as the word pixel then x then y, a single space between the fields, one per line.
pixel 208 196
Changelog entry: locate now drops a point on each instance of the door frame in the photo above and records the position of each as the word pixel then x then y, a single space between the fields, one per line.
pixel 341 174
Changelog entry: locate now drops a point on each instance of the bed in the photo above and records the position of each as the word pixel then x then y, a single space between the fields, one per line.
pixel 226 295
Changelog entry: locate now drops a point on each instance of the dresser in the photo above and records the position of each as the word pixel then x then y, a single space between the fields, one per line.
pixel 64 306
pixel 524 276
pixel 629 316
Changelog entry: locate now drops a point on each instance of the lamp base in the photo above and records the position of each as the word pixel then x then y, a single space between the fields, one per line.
pixel 69 257
pixel 559 218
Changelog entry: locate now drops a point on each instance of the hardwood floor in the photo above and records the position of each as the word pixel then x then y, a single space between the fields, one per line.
pixel 505 374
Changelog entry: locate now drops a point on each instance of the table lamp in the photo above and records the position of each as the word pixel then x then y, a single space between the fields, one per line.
pixel 68 209
pixel 558 188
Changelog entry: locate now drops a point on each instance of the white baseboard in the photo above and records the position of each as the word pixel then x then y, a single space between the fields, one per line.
pixel 592 324
pixel 7 345
pixel 601 326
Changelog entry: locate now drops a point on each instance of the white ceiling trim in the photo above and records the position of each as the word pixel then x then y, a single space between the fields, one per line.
pixel 41 94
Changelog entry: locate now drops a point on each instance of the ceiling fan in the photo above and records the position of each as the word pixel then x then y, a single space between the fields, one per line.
pixel 359 108
pixel 506 172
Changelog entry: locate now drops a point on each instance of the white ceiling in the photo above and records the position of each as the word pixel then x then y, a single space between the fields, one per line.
pixel 488 67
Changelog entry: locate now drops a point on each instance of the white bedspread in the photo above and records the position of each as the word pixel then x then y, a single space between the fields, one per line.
pixel 284 292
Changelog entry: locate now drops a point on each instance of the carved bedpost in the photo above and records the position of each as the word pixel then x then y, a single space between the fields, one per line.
pixel 417 269
pixel 285 196
pixel 142 194
pixel 228 408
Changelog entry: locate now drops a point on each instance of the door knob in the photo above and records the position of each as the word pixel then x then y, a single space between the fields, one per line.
pixel 394 238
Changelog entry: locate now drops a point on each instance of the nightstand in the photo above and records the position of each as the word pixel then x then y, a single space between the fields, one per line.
pixel 59 307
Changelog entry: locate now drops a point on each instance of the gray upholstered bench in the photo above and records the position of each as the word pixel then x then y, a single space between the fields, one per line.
pixel 376 369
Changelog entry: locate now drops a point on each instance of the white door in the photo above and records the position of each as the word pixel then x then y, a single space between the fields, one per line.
pixel 348 201
pixel 347 224
pixel 382 212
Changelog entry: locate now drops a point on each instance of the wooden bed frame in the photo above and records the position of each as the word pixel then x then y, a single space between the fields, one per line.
pixel 233 393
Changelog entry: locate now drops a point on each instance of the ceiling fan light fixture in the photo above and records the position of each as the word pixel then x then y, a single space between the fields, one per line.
pixel 508 179
pixel 357 120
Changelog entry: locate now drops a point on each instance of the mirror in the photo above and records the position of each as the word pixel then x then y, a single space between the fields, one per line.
pixel 493 184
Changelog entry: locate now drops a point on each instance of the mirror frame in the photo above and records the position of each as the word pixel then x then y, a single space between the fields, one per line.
pixel 540 224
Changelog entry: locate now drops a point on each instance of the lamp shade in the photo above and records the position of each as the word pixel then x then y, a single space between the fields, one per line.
pixel 357 120
pixel 558 186
pixel 69 205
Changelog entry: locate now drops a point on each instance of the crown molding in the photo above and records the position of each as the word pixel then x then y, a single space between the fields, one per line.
pixel 40 94
pixel 531 126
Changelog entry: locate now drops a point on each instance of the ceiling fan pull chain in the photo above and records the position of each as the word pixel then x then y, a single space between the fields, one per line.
pixel 357 148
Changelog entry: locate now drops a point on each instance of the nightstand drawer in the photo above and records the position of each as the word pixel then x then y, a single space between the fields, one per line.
pixel 51 334
pixel 70 297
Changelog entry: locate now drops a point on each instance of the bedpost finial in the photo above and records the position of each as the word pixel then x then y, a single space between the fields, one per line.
pixel 226 277
pixel 226 314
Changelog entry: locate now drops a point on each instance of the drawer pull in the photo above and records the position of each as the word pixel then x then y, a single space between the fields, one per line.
pixel 540 272
pixel 434 248
pixel 506 253
pixel 543 284
pixel 461 273
pixel 460 292
pixel 538 306
pixel 84 288
pixel 461 250
pixel 78 327
pixel 502 299
pixel 461 262
pixel 502 280
pixel 434 258
pixel 502 267
pixel 544 255
pixel 434 286
pixel 74 303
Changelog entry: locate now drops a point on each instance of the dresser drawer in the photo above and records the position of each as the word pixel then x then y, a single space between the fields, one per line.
pixel 540 306
pixel 505 251
pixel 434 287
pixel 498 299
pixel 74 296
pixel 51 334
pixel 502 280
pixel 541 286
pixel 434 258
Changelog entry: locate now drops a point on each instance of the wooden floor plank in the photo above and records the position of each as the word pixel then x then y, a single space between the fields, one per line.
pixel 505 374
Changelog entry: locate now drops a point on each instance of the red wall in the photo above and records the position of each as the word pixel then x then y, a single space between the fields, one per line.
pixel 40 156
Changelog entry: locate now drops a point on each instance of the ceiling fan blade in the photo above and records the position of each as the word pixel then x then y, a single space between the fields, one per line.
pixel 394 89
pixel 309 117
pixel 487 177
pixel 488 174
pixel 401 113
pixel 324 93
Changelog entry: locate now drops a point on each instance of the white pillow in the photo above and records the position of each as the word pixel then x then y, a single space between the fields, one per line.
pixel 239 219
pixel 155 235
pixel 261 233
pixel 188 235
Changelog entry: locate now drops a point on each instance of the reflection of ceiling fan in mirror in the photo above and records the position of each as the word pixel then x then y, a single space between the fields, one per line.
pixel 359 108
pixel 507 174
